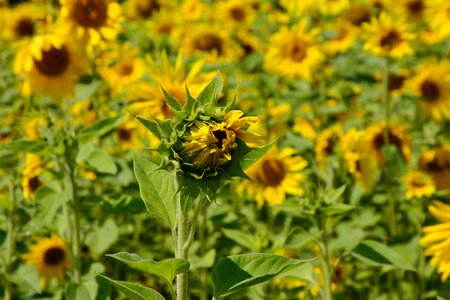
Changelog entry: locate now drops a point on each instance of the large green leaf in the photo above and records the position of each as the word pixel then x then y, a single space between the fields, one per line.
pixel 376 253
pixel 251 157
pixel 48 203
pixel 237 272
pixel 77 291
pixel 135 291
pixel 25 146
pixel 99 128
pixel 157 189
pixel 166 269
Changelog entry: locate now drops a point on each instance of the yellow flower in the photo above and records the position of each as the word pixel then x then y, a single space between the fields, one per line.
pixel 30 175
pixel 432 86
pixel 83 112
pixel 326 143
pixel 147 98
pixel 51 257
pixel 51 65
pixel 388 37
pixel 379 135
pixel 294 52
pixel 22 21
pixel 436 162
pixel 164 22
pixel 334 7
pixel 210 145
pixel 237 13
pixel 31 128
pixel 436 239
pixel 418 185
pixel 437 16
pixel 130 135
pixel 346 35
pixel 358 160
pixel 274 176
pixel 413 9
pixel 357 15
pixel 91 20
pixel 144 9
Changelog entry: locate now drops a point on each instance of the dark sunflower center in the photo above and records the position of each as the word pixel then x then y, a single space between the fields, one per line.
pixel 330 146
pixel 379 141
pixel 34 183
pixel 126 69
pixel 90 13
pixel 54 256
pixel 417 182
pixel 209 42
pixel 430 90
pixel 297 52
pixel 358 14
pixel 147 7
pixel 238 14
pixel 390 39
pixel 272 172
pixel 124 134
pixel 25 27
pixel 220 135
pixel 54 61
pixel 415 7
pixel 395 82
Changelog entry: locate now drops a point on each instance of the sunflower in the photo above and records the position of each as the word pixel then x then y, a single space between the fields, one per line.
pixel 23 21
pixel 293 52
pixel 345 36
pixel 418 185
pixel 360 164
pixel 51 65
pixel 164 23
pixel 129 134
pixel 210 145
pixel 388 37
pixel 437 15
pixel 436 162
pixel 436 239
pixel 148 99
pixel 380 135
pixel 30 127
pixel 93 20
pixel 83 112
pixel 144 9
pixel 413 9
pixel 334 7
pixel 357 15
pixel 122 68
pixel 276 174
pixel 237 13
pixel 30 175
pixel 51 257
pixel 326 143
pixel 210 41
pixel 432 86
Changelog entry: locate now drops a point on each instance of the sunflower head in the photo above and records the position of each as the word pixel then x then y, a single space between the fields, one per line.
pixel 418 185
pixel 51 257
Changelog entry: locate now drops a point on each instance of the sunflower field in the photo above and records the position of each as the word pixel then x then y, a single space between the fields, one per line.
pixel 224 149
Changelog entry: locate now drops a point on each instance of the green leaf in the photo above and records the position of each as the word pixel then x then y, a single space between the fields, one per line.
pixel 135 291
pixel 101 238
pixel 77 291
pixel 157 189
pixel 84 91
pixel 152 126
pixel 298 237
pixel 244 239
pixel 208 96
pixel 237 272
pixel 171 101
pixel 166 269
pixel 251 157
pixel 337 208
pixel 99 128
pixel 47 204
pixel 189 189
pixel 24 146
pixel 333 195
pixel 376 253
pixel 101 161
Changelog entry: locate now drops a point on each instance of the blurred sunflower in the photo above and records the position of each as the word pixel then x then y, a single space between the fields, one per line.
pixel 144 9
pixel 436 239
pixel 335 7
pixel 164 22
pixel 432 86
pixel 379 135
pixel 23 21
pixel 129 135
pixel 388 37
pixel 237 13
pixel 122 68
pixel 50 64
pixel 194 9
pixel 436 162
pixel 210 145
pixel 293 52
pixel 83 112
pixel 345 36
pixel 360 164
pixel 413 9
pixel 276 174
pixel 211 41
pixel 93 20
pixel 30 175
pixel 326 143
pixel 147 98
pixel 248 42
pixel 30 127
pixel 51 257
pixel 437 15
pixel 357 15
pixel 418 185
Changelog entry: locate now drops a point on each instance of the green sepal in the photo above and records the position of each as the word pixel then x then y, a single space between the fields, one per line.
pixel 171 101
pixel 209 95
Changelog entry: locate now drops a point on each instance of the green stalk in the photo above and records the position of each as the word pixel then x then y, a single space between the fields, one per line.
pixel 327 270
pixel 182 279
pixel 10 242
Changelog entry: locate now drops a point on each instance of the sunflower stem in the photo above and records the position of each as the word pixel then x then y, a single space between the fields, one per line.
pixel 10 242
pixel 182 279
pixel 327 270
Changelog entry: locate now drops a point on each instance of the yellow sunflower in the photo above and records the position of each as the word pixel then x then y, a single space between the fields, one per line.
pixel 237 13
pixel 414 10
pixel 276 174
pixel 83 112
pixel 30 127
pixel 91 20
pixel 326 143
pixel 334 7
pixel 437 15
pixel 50 65
pixel 432 86
pixel 436 162
pixel 210 145
pixel 418 185
pixel 345 36
pixel 30 175
pixel 148 99
pixel 130 135
pixel 164 22
pixel 358 160
pixel 387 36
pixel 380 134
pixel 122 68
pixel 144 9
pixel 51 257
pixel 23 21
pixel 293 52
pixel 357 15
pixel 436 239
